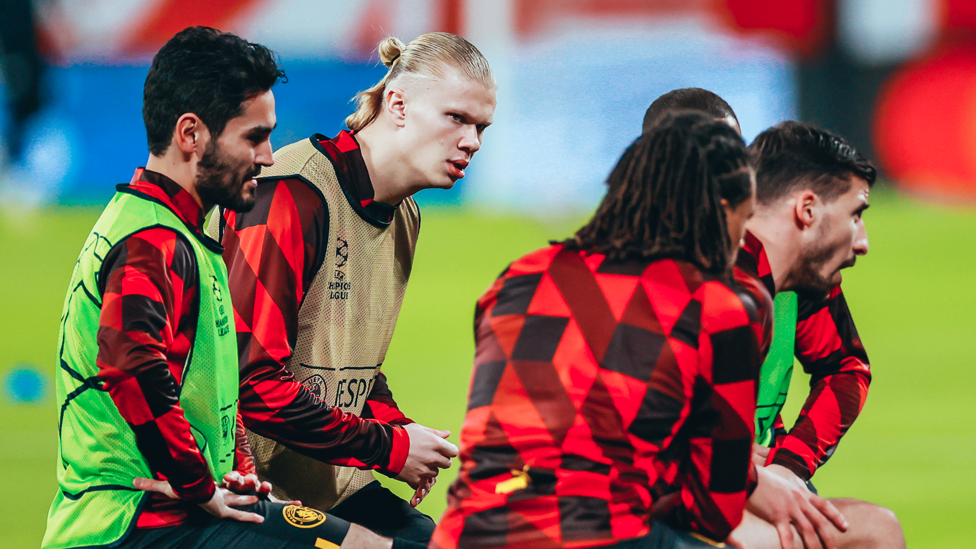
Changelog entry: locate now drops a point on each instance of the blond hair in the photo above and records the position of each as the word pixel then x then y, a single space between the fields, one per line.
pixel 428 55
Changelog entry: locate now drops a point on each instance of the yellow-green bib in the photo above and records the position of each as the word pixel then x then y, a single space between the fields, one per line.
pixel 96 504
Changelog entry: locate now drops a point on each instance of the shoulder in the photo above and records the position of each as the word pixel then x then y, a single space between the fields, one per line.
pixel 281 201
pixel 294 188
pixel 520 279
pixel 155 252
pixel 293 157
pixel 536 262
pixel 721 306
pixel 408 214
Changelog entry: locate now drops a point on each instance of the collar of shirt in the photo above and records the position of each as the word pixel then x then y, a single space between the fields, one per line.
pixel 348 160
pixel 167 191
pixel 752 259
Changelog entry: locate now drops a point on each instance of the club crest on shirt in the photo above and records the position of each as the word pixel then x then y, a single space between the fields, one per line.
pixel 303 517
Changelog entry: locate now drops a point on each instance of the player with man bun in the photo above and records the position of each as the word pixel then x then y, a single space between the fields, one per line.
pixel 318 271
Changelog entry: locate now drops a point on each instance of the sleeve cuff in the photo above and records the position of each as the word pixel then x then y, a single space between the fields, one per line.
pixel 401 448
pixel 791 460
pixel 199 492
pixel 752 480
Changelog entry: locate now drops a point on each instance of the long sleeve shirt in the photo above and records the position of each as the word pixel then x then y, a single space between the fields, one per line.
pixel 147 327
pixel 830 350
pixel 605 394
pixel 273 253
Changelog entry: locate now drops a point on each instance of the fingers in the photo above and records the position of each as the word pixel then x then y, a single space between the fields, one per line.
pixel 733 541
pixel 238 500
pixel 785 535
pixel 831 512
pixel 809 534
pixel 441 433
pixel 243 516
pixel 821 524
pixel 447 449
pixel 151 485
pixel 760 449
pixel 440 462
pixel 422 491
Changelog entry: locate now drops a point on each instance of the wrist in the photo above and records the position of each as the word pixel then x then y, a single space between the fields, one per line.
pixel 791 461
pixel 399 450
pixel 200 492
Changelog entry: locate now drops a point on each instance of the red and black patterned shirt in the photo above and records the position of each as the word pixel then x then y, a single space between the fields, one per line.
pixel 150 304
pixel 273 253
pixel 605 394
pixel 830 350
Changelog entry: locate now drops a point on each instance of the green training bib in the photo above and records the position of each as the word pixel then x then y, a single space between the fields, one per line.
pixel 96 503
pixel 777 369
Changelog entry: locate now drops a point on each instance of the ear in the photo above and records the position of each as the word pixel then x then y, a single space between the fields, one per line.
pixel 806 209
pixel 191 134
pixel 395 105
pixel 725 204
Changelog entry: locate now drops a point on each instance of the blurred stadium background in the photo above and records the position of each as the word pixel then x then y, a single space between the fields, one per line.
pixel 897 77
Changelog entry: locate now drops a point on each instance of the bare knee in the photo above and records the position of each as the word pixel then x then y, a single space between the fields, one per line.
pixel 361 538
pixel 870 526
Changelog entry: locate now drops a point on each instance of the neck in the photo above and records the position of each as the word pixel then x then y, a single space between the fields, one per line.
pixel 384 165
pixel 779 242
pixel 183 173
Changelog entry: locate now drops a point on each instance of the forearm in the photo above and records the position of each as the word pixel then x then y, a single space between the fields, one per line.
pixel 834 403
pixel 148 401
pixel 380 404
pixel 285 411
pixel 141 350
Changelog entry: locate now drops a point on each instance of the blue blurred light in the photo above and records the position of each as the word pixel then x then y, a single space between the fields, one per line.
pixel 25 384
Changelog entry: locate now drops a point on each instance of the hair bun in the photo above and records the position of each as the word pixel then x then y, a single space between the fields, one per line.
pixel 390 49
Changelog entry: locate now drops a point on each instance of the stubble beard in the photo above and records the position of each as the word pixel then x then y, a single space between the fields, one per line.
pixel 218 182
pixel 806 279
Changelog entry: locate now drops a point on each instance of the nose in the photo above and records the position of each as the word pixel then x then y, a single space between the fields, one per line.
pixel 861 240
pixel 470 140
pixel 265 156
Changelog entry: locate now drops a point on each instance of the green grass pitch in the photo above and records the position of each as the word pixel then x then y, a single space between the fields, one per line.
pixel 913 449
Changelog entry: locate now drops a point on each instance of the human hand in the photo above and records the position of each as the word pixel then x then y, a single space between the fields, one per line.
pixel 220 505
pixel 245 484
pixel 422 491
pixel 429 452
pixel 784 503
pixel 759 454
pixel 250 485
pixel 787 474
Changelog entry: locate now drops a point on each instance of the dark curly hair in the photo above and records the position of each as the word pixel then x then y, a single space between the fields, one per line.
pixel 688 99
pixel 205 72
pixel 664 195
pixel 793 155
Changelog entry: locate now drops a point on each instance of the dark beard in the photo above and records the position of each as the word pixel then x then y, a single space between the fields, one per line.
pixel 216 183
pixel 805 279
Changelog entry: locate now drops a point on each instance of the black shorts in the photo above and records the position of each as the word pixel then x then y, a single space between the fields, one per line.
pixel 375 508
pixel 663 536
pixel 284 527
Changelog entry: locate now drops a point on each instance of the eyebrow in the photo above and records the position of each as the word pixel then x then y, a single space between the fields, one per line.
pixel 468 116
pixel 262 129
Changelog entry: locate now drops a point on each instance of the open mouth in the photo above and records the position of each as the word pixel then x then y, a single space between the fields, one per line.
pixel 456 168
